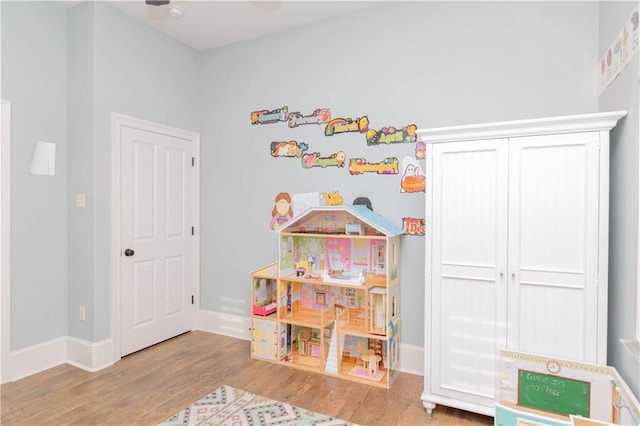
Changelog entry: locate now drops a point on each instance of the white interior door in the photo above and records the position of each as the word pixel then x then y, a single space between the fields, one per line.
pixel 157 216
pixel 469 237
pixel 553 245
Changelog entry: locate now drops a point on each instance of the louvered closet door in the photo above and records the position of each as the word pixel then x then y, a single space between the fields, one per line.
pixel 553 245
pixel 469 267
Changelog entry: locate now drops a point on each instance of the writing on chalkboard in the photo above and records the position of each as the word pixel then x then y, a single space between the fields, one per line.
pixel 556 394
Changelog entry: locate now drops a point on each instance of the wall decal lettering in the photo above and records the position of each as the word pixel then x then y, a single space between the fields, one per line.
pixel 267 117
pixel 319 116
pixel 413 178
pixel 314 160
pixel 414 226
pixel 347 125
pixel 388 166
pixel 392 135
pixel 288 149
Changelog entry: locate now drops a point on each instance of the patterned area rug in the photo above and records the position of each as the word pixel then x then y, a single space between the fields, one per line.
pixel 233 407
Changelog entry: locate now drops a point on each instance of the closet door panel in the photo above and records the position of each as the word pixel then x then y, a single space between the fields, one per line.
pixel 553 243
pixel 547 313
pixel 469 262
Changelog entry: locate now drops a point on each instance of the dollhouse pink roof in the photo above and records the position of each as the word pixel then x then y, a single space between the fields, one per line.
pixel 359 212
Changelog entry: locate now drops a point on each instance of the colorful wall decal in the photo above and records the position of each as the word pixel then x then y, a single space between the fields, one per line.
pixel 413 226
pixel 267 117
pixel 288 149
pixel 363 201
pixel 621 50
pixel 413 178
pixel 421 150
pixel 314 160
pixel 319 116
pixel 346 125
pixel 388 166
pixel 392 135
pixel 282 211
pixel 332 198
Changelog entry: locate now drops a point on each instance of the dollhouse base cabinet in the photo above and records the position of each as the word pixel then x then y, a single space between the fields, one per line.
pixel 265 333
pixel 264 339
pixel 336 294
pixel 516 250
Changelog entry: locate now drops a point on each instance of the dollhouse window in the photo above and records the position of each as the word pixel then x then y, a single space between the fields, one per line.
pixel 321 298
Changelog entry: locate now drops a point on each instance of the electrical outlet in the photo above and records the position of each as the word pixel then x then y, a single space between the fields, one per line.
pixel 83 313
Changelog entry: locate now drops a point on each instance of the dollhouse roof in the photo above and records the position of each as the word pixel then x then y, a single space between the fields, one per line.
pixel 359 212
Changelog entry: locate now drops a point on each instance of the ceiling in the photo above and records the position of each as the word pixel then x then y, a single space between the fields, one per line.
pixel 214 23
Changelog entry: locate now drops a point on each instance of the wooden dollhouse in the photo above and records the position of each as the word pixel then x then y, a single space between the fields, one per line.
pixel 336 291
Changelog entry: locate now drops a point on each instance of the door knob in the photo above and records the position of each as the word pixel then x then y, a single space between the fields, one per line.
pixel 129 252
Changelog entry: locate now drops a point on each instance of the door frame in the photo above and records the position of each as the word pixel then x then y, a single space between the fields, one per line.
pixel 118 121
pixel 5 244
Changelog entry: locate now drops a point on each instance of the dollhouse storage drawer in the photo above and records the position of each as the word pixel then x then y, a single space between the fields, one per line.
pixel 264 339
pixel 264 328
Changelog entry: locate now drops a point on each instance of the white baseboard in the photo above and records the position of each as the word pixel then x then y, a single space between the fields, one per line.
pixel 411 357
pixel 34 359
pixel 89 356
pixel 80 353
pixel 95 356
pixel 226 324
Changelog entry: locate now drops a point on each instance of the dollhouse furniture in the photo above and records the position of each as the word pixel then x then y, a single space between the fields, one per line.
pixel 342 313
pixel 516 249
pixel 303 340
pixel 370 361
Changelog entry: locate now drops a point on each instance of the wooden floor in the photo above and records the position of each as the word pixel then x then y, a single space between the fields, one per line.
pixel 147 387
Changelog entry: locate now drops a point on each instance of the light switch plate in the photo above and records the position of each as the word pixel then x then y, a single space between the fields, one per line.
pixel 81 201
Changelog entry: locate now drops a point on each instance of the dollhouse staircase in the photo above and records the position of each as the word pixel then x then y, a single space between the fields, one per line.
pixel 332 358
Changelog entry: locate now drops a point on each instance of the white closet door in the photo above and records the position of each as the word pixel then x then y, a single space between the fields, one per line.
pixel 553 245
pixel 469 267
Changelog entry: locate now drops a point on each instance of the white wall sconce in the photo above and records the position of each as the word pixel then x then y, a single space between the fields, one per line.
pixel 43 160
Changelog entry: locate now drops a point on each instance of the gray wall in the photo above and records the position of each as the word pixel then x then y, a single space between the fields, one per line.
pixel 432 64
pixel 135 71
pixel 34 79
pixel 109 63
pixel 82 160
pixel 623 211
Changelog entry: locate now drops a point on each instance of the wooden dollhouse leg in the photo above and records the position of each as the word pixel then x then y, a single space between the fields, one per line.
pixel 365 364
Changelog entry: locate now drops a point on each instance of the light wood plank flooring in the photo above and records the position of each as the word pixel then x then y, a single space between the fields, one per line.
pixel 147 387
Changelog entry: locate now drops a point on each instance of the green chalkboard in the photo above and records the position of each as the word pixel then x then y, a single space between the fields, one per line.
pixel 556 394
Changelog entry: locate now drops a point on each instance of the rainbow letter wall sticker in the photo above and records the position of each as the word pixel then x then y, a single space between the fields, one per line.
pixel 347 125
pixel 413 179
